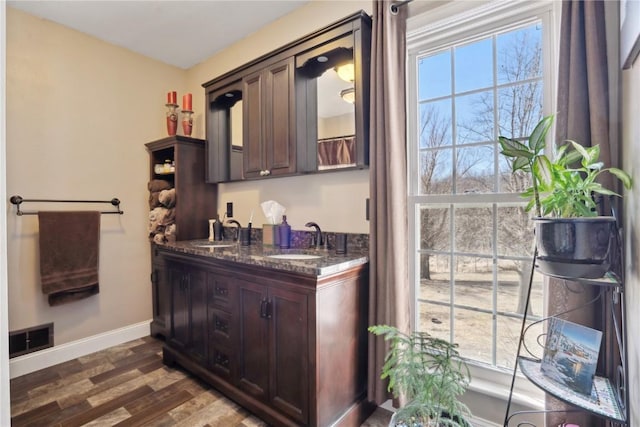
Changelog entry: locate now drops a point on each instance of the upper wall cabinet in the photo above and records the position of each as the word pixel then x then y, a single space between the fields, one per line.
pixel 303 108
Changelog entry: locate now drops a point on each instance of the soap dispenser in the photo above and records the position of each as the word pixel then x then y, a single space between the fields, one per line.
pixel 284 231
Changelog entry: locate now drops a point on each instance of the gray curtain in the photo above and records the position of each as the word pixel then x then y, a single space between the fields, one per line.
pixel 389 295
pixel 583 116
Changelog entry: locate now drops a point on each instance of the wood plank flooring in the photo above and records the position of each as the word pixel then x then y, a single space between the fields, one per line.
pixel 127 385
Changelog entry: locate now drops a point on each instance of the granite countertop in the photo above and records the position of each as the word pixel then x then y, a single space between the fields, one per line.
pixel 328 262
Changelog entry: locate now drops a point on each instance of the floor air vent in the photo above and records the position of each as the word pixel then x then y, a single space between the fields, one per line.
pixel 30 339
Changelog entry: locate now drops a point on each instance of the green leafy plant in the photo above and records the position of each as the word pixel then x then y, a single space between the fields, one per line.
pixel 429 373
pixel 559 188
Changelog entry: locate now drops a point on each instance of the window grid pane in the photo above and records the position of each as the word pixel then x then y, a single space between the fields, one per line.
pixel 474 251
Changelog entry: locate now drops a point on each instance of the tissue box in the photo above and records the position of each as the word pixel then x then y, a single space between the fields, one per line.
pixel 269 234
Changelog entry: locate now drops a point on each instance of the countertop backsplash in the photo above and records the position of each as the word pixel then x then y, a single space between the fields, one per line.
pixel 302 239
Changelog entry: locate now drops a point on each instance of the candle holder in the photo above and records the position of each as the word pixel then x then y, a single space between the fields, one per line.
pixel 187 122
pixel 172 118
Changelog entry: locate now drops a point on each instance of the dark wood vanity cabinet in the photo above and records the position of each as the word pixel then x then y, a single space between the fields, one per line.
pixel 195 199
pixel 292 104
pixel 196 202
pixel 290 348
pixel 268 121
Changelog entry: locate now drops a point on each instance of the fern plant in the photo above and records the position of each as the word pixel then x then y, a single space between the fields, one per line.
pixel 429 373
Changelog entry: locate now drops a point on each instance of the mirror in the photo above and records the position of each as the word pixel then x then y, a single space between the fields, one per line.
pixel 336 115
pixel 334 76
pixel 224 128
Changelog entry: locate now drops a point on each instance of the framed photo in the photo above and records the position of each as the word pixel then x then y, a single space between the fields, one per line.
pixel 629 32
pixel 571 355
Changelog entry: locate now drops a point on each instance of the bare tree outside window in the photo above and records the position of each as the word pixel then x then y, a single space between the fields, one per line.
pixel 474 251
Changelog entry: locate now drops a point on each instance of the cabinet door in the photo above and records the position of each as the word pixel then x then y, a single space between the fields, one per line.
pixel 253 125
pixel 179 305
pixel 289 353
pixel 268 121
pixel 252 345
pixel 280 117
pixel 188 308
pixel 197 294
pixel 161 300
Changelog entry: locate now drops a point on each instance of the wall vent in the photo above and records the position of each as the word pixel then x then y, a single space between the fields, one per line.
pixel 30 339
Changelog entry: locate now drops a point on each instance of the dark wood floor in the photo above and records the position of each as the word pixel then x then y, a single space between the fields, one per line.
pixel 127 385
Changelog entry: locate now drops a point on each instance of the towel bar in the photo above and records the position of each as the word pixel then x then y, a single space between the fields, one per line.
pixel 17 200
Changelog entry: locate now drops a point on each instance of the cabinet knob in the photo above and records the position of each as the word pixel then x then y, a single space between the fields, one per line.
pixel 265 172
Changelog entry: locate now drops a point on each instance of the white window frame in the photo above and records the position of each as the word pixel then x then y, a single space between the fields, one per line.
pixel 458 21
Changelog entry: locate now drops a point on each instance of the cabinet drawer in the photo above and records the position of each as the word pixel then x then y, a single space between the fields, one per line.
pixel 221 291
pixel 222 361
pixel 220 326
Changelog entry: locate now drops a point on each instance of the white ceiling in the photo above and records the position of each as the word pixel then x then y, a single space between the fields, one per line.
pixel 177 32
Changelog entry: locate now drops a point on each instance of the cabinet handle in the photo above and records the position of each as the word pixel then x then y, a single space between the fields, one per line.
pixel 263 308
pixel 268 309
pixel 222 291
pixel 184 282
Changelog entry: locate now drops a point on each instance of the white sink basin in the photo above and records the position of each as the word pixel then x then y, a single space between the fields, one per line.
pixel 294 256
pixel 212 245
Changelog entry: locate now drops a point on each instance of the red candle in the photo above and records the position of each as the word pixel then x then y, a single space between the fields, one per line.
pixel 171 97
pixel 186 102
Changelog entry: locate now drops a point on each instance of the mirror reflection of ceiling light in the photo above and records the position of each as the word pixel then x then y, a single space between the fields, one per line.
pixel 346 72
pixel 348 95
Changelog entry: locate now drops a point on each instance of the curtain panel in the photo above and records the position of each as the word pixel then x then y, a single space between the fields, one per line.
pixel 583 116
pixel 389 290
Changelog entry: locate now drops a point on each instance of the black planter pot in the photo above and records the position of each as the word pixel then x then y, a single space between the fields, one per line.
pixel 574 247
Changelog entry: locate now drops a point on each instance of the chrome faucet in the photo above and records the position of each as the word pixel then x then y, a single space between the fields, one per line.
pixel 317 238
pixel 236 232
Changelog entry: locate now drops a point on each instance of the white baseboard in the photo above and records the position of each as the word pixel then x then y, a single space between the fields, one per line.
pixel 32 362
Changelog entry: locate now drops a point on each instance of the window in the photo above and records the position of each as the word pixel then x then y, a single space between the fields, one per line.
pixel 472 240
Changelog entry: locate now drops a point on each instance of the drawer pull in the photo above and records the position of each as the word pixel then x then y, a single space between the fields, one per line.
pixel 221 325
pixel 222 360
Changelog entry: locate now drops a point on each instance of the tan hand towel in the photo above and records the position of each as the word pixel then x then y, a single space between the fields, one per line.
pixel 69 253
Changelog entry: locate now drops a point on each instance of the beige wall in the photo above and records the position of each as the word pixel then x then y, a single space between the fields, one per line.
pixel 79 112
pixel 336 201
pixel 631 147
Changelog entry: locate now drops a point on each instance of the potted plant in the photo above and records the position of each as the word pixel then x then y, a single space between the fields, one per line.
pixel 572 239
pixel 429 374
